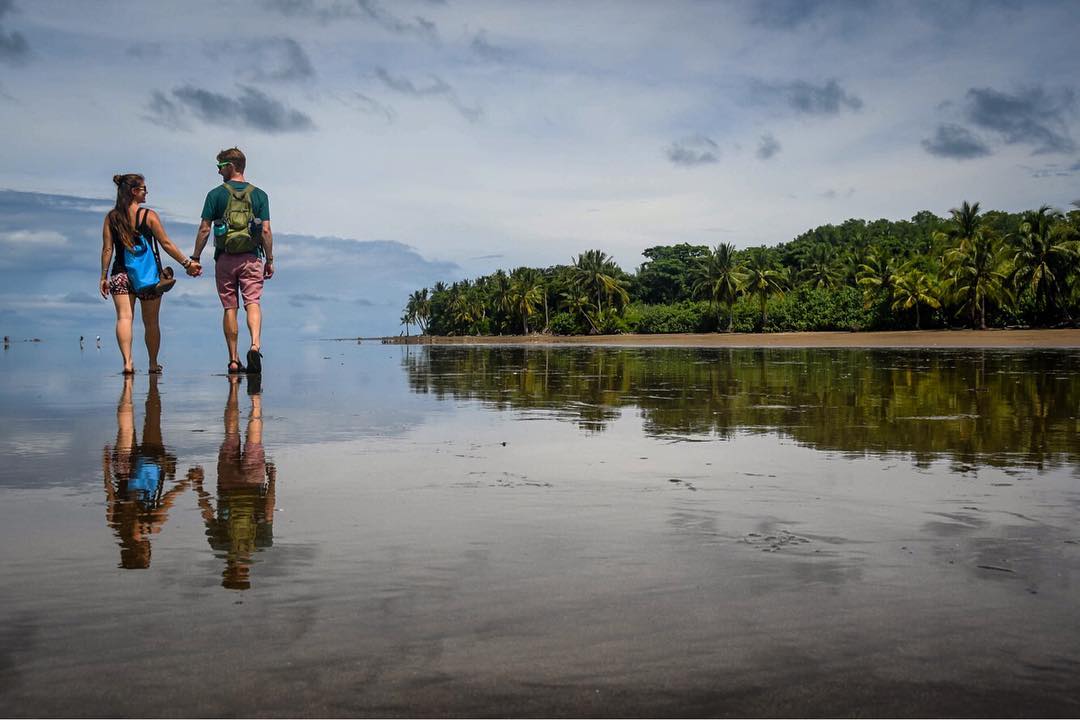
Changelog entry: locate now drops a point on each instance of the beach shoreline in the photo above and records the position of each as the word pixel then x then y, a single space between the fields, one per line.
pixel 1019 338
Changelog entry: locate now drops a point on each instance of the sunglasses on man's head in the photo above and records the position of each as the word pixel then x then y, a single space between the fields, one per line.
pixel 221 165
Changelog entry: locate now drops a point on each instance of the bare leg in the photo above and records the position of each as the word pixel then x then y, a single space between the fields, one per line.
pixel 150 310
pixel 231 329
pixel 254 323
pixel 125 312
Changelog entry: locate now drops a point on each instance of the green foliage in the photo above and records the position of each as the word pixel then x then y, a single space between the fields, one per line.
pixel 684 317
pixel 976 269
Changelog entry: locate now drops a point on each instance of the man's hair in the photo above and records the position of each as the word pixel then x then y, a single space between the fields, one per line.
pixel 234 156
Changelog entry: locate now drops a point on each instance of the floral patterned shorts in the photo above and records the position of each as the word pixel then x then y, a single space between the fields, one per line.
pixel 118 285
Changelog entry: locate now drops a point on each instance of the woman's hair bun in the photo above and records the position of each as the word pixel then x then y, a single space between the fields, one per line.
pixel 117 179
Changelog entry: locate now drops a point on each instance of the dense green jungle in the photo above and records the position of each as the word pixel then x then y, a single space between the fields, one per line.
pixel 1010 409
pixel 972 269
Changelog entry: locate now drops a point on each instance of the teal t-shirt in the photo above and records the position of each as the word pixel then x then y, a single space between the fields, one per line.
pixel 218 198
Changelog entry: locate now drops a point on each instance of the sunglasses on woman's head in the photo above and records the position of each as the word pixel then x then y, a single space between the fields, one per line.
pixel 137 188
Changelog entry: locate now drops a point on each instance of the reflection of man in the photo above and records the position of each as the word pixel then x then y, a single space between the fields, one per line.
pixel 244 520
pixel 136 477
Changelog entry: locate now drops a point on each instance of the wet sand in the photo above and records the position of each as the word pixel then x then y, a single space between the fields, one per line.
pixel 1041 338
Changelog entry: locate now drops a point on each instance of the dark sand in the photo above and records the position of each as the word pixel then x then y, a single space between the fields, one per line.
pixel 1064 338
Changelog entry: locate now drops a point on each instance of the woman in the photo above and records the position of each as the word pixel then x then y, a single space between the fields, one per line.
pixel 117 234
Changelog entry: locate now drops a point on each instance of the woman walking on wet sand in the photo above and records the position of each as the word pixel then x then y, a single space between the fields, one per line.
pixel 123 225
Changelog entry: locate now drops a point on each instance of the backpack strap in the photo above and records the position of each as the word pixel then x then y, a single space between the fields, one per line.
pixel 240 194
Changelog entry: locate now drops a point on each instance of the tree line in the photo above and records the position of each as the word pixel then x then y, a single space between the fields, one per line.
pixel 972 269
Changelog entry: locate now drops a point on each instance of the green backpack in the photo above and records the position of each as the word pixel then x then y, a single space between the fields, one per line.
pixel 238 217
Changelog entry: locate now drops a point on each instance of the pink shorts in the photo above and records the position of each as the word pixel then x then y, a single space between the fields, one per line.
pixel 243 273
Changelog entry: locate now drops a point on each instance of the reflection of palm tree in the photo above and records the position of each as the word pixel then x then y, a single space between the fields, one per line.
pixel 243 521
pixel 720 278
pixel 136 476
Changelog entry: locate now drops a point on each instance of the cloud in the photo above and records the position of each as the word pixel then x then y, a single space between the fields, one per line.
pixel 324 12
pixel 698 150
pixel 784 14
pixel 955 141
pixel 418 26
pixel 1054 170
pixel 1033 116
pixel 32 239
pixel 144 50
pixel 81 298
pixel 253 109
pixel 303 299
pixel 371 106
pixel 14 49
pixel 278 59
pixel 806 98
pixel 768 146
pixel 436 88
pixel 481 47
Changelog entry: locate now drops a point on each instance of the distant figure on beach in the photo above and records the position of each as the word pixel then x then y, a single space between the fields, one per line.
pixel 123 224
pixel 243 521
pixel 81 340
pixel 137 478
pixel 99 342
pixel 7 341
pixel 238 213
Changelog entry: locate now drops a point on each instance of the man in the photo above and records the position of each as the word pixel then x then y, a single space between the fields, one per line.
pixel 243 258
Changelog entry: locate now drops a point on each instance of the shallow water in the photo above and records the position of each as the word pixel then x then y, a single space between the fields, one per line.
pixel 567 531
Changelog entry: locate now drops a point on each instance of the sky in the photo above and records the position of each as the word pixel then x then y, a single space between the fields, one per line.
pixel 412 141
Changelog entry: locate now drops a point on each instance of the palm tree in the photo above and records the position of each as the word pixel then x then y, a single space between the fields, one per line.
pixel 419 309
pixel 720 277
pixel 406 320
pixel 762 279
pixel 975 275
pixel 597 275
pixel 875 277
pixel 526 293
pixel 576 303
pixel 819 269
pixel 1043 253
pixel 502 293
pixel 912 288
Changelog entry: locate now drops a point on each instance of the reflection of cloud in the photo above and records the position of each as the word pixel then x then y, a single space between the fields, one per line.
pixel 1033 116
pixel 82 298
pixel 698 150
pixel 252 108
pixel 954 141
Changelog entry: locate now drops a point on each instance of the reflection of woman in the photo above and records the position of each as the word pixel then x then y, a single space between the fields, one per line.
pixel 136 478
pixel 244 520
pixel 122 226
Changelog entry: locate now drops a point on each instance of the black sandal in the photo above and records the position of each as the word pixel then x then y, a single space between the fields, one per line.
pixel 254 359
pixel 238 369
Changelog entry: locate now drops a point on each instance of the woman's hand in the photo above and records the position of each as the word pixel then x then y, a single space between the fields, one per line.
pixel 103 286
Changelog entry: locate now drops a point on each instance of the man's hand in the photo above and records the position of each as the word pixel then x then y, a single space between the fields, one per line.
pixel 268 269
pixel 194 268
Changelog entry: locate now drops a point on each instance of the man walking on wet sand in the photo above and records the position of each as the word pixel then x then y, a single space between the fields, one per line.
pixel 238 213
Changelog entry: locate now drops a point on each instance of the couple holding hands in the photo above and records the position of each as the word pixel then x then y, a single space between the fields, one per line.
pixel 238 214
